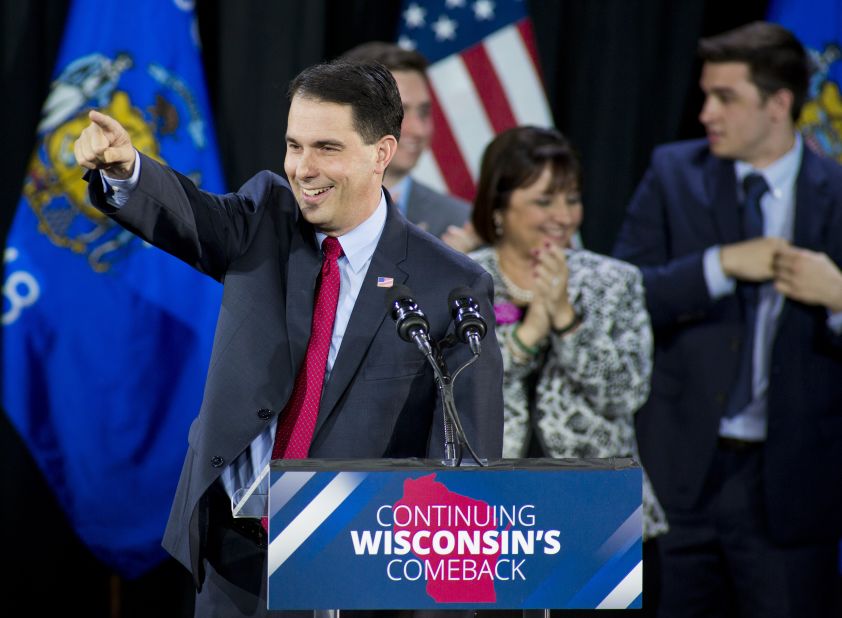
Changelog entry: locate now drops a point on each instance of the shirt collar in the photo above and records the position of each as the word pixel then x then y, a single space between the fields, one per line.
pixel 400 193
pixel 781 174
pixel 359 244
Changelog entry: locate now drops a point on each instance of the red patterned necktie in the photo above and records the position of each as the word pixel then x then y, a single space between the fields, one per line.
pixel 298 420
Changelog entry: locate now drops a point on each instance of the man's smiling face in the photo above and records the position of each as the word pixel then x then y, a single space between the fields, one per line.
pixel 335 176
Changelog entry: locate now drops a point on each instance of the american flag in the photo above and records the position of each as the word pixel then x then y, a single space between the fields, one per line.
pixel 484 78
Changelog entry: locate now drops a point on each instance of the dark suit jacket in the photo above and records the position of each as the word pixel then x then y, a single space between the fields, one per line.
pixel 686 203
pixel 380 401
pixel 434 211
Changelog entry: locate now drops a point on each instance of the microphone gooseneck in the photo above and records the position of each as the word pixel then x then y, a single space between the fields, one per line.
pixel 412 326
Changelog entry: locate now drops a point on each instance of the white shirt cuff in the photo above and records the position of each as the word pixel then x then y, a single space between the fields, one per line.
pixel 117 191
pixel 834 322
pixel 719 284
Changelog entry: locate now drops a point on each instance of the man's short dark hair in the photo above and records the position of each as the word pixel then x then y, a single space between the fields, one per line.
pixel 775 57
pixel 368 87
pixel 391 56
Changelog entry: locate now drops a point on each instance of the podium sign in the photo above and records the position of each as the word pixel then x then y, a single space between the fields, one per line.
pixel 410 534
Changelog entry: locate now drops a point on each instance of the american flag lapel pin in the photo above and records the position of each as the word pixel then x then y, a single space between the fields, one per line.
pixel 385 282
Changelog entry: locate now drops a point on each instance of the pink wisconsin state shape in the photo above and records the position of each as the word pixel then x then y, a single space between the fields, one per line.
pixel 424 493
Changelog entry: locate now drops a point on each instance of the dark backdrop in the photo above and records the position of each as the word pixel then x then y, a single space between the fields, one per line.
pixel 620 75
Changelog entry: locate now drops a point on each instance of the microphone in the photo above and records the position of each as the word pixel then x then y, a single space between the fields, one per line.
pixel 468 322
pixel 410 321
pixel 412 325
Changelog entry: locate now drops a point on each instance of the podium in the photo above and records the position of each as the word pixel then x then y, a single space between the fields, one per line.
pixel 414 534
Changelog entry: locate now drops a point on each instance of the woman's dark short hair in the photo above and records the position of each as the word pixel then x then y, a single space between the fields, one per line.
pixel 776 59
pixel 515 159
pixel 368 87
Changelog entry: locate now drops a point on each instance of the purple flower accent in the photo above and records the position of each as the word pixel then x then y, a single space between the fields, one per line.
pixel 507 313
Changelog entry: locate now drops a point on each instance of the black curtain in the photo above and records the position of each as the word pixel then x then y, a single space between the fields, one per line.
pixel 618 80
pixel 621 77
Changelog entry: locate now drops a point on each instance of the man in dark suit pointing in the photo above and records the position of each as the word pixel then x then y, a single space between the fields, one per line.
pixel 306 361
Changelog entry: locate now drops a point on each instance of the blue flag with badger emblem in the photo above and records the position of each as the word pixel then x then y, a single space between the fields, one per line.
pixel 105 340
pixel 818 25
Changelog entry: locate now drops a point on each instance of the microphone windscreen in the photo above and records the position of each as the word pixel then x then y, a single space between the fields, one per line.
pixel 462 291
pixel 397 292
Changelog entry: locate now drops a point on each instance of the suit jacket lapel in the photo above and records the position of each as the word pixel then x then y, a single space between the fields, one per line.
pixel 302 268
pixel 721 187
pixel 369 311
pixel 812 204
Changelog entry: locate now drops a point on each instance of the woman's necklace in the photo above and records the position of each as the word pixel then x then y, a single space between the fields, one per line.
pixel 515 291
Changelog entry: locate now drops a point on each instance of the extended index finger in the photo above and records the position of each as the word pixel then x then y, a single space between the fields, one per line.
pixel 106 123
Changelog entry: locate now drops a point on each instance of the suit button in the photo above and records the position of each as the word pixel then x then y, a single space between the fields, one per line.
pixel 265 413
pixel 720 398
pixel 735 344
pixel 217 461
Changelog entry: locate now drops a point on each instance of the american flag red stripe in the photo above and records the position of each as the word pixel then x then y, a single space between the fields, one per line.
pixel 448 156
pixel 484 76
pixel 494 99
pixel 524 26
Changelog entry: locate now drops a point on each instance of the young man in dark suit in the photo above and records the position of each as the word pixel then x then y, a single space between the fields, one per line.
pixel 737 236
pixel 266 244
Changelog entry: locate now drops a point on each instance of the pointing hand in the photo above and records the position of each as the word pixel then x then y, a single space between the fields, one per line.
pixel 105 145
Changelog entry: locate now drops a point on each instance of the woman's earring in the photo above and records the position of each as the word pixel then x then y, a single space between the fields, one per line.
pixel 498 223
